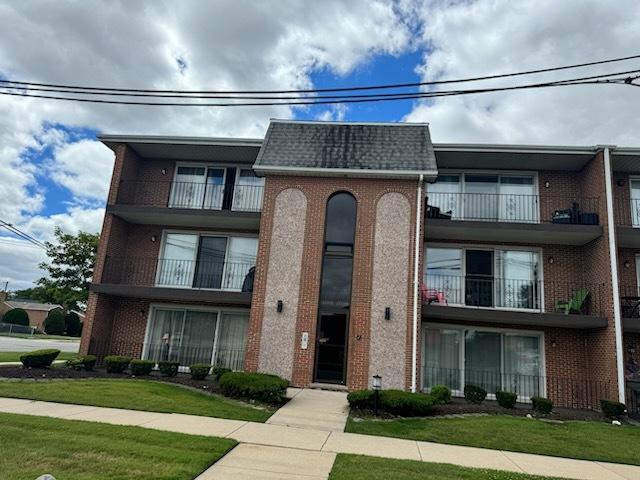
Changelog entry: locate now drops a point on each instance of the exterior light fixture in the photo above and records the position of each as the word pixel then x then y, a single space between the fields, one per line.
pixel 620 182
pixel 627 264
pixel 279 306
pixel 547 184
pixel 164 171
pixel 387 313
pixel 377 386
pixel 153 238
pixel 551 260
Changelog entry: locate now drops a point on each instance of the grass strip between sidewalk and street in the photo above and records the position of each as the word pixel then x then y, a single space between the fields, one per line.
pixel 144 395
pixel 15 356
pixel 599 441
pixel 359 467
pixel 77 450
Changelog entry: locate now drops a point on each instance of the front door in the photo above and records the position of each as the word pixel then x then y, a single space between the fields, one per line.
pixel 331 347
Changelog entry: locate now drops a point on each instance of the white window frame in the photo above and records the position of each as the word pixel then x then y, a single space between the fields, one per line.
pixel 463 270
pixel 206 167
pixel 503 331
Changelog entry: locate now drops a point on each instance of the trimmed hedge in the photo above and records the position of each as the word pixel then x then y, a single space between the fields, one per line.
pixel 612 409
pixel 542 405
pixel 39 358
pixel 441 394
pixel 395 402
pixel 16 316
pixel 217 372
pixel 116 363
pixel 54 323
pixel 474 393
pixel 506 399
pixel 255 386
pixel 72 324
pixel 141 367
pixel 199 371
pixel 168 369
pixel 82 362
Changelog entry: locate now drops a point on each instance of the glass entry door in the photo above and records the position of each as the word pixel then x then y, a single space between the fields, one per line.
pixel 479 279
pixel 331 348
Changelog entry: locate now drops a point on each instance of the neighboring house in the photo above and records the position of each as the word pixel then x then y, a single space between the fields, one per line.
pixel 37 312
pixel 331 252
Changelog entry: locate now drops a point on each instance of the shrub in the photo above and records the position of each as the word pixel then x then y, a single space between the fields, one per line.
pixel 255 386
pixel 406 404
pixel 506 399
pixel 72 324
pixel 82 362
pixel 612 409
pixel 361 399
pixel 168 369
pixel 474 394
pixel 219 371
pixel 39 358
pixel 141 367
pixel 16 316
pixel 116 363
pixel 542 405
pixel 54 323
pixel 441 394
pixel 199 371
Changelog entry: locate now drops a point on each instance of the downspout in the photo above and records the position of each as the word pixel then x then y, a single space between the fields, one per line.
pixel 416 285
pixel 613 257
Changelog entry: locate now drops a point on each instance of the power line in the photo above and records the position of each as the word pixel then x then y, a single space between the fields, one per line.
pixel 326 90
pixel 21 234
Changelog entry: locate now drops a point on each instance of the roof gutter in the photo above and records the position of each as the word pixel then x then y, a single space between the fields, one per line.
pixel 345 172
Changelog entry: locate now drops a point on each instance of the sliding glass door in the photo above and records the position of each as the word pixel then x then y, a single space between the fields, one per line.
pixel 197 187
pixel 177 263
pixel 247 194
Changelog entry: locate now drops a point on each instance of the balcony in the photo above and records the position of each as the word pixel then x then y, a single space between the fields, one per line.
pixel 627 219
pixel 224 283
pixel 513 301
pixel 630 308
pixel 512 217
pixel 189 204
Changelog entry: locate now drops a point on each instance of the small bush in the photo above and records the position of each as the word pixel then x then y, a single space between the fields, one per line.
pixel 141 367
pixel 256 386
pixel 199 371
pixel 168 369
pixel 361 399
pixel 441 394
pixel 72 324
pixel 474 394
pixel 39 358
pixel 506 399
pixel 54 323
pixel 217 372
pixel 542 405
pixel 82 362
pixel 16 316
pixel 406 404
pixel 612 409
pixel 116 363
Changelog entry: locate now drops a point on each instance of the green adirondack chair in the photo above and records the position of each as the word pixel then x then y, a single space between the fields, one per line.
pixel 575 304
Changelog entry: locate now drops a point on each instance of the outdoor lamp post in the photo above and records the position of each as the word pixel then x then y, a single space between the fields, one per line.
pixel 377 386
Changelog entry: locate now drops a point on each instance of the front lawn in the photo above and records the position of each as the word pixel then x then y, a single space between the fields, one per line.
pixel 358 467
pixel 135 395
pixel 573 439
pixel 15 356
pixel 76 450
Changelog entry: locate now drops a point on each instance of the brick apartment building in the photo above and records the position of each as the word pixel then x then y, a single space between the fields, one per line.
pixel 327 253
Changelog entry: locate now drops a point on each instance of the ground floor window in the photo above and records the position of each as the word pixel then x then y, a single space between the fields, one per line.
pixel 494 359
pixel 193 336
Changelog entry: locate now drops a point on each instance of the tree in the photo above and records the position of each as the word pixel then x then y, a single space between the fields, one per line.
pixel 54 323
pixel 71 258
pixel 16 316
pixel 72 324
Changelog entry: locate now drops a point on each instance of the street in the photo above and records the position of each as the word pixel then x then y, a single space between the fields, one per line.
pixel 15 344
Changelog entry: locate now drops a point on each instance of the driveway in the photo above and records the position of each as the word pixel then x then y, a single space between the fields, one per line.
pixel 15 344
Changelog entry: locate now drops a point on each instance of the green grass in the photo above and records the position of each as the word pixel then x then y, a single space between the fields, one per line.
pixel 133 394
pixel 576 439
pixel 15 356
pixel 76 450
pixel 358 467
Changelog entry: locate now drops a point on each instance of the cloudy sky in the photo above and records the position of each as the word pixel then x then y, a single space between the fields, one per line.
pixel 54 172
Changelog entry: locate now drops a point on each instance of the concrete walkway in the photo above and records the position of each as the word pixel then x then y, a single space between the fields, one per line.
pixel 275 451
pixel 314 409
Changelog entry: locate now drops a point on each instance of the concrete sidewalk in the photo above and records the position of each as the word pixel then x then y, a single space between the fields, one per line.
pixel 270 450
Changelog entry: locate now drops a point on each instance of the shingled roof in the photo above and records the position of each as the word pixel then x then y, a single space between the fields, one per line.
pixel 343 148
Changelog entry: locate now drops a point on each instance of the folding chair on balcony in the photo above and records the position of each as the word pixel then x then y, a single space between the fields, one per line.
pixel 575 304
pixel 430 295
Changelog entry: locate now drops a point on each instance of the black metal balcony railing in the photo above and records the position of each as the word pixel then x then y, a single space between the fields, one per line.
pixel 507 293
pixel 185 351
pixel 493 207
pixel 627 212
pixel 563 391
pixel 629 301
pixel 194 195
pixel 162 272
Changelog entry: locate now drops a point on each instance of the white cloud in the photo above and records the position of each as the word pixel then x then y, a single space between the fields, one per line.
pixel 334 113
pixel 19 262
